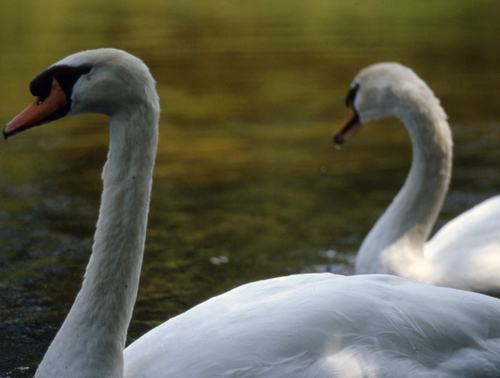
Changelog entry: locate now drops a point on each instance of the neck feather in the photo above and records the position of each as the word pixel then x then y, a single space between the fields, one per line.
pixel 395 244
pixel 92 338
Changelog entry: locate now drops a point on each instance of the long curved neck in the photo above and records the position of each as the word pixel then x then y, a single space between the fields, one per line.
pixel 395 244
pixel 92 338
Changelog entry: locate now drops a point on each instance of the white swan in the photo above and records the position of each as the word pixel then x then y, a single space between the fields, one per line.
pixel 465 253
pixel 311 325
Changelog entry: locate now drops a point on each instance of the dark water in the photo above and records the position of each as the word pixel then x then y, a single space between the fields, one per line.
pixel 247 184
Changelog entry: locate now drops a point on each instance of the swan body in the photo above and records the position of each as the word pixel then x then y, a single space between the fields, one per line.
pixel 465 253
pixel 310 325
pixel 326 325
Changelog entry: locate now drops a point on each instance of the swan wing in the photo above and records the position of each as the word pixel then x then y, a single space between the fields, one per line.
pixel 325 325
pixel 468 249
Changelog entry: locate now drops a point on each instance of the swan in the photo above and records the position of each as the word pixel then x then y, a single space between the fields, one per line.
pixel 310 325
pixel 463 254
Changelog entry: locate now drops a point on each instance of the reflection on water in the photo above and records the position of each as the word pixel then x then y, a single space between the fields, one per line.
pixel 247 184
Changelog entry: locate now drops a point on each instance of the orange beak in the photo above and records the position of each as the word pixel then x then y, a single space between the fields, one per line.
pixel 37 113
pixel 349 127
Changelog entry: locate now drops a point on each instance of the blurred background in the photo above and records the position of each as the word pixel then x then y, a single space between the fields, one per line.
pixel 248 184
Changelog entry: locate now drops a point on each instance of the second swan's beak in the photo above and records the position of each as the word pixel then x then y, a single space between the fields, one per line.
pixel 350 126
pixel 38 112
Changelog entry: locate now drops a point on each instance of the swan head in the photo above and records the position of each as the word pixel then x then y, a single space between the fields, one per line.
pixel 382 90
pixel 107 81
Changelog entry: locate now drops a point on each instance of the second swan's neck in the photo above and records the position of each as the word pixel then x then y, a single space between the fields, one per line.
pixel 395 244
pixel 92 338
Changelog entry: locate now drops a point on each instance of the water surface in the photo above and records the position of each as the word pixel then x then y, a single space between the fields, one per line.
pixel 247 184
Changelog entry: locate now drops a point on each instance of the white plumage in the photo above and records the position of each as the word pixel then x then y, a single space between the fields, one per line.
pixel 325 325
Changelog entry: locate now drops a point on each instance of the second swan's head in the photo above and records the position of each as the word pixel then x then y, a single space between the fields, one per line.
pixel 107 81
pixel 383 90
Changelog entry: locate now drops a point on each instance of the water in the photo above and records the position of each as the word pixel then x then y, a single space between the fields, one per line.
pixel 248 184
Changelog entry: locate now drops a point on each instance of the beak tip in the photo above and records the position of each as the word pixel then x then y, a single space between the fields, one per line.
pixel 337 139
pixel 7 131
